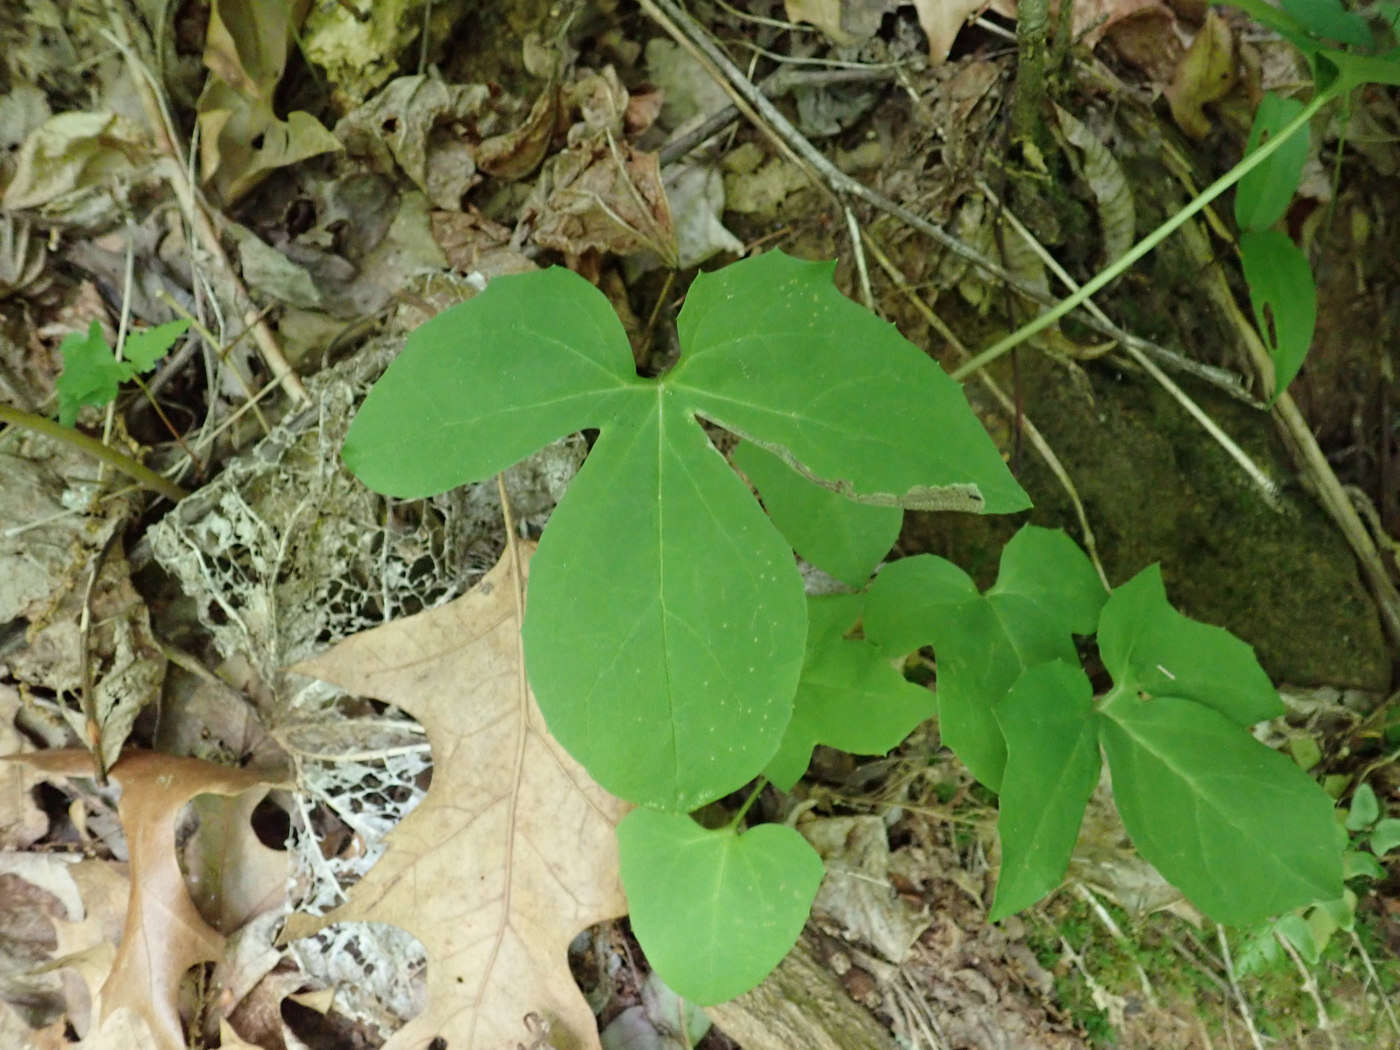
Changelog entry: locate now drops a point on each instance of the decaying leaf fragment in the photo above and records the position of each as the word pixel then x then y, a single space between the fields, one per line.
pixel 1205 74
pixel 164 934
pixel 512 853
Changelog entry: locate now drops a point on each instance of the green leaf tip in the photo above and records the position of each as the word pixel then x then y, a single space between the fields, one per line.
pixel 715 911
pixel 664 635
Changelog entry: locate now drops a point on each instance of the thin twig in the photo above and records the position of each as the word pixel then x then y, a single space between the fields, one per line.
pixel 1266 485
pixel 1037 439
pixel 1375 979
pixel 1240 1001
pixel 1310 986
pixel 862 270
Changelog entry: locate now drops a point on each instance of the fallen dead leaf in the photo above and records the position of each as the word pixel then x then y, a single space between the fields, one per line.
pixel 22 822
pixel 1205 74
pixel 163 935
pixel 513 851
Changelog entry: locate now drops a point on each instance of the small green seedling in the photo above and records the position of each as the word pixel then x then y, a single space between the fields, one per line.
pixel 674 653
pixel 92 373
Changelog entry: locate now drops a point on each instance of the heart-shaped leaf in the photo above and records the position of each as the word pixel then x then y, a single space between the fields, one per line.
pixel 715 910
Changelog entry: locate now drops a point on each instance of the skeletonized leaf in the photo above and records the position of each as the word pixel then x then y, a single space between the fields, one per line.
pixel 1148 645
pixel 1052 765
pixel 1239 828
pixel 511 853
pixel 715 910
pixel 837 535
pixel 849 695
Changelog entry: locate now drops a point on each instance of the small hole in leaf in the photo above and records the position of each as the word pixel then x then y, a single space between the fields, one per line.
pixel 1270 330
pixel 257 142
pixel 390 126
pixel 271 824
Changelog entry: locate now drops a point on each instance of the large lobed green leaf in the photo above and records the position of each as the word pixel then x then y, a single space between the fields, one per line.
pixel 715 910
pixel 1046 591
pixel 849 696
pixel 666 621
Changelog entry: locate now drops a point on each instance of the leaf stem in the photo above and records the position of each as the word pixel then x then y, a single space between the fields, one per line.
pixel 1156 237
pixel 138 472
pixel 753 797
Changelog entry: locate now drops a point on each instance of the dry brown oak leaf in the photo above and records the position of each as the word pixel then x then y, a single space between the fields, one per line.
pixel 163 935
pixel 513 851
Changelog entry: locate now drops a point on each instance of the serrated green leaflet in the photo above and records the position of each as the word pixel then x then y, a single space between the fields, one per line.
pixel 837 535
pixel 90 376
pixel 1046 590
pixel 665 626
pixel 715 910
pixel 1284 297
pixel 1144 641
pixel 1264 193
pixel 91 373
pixel 1052 766
pixel 1239 828
pixel 849 695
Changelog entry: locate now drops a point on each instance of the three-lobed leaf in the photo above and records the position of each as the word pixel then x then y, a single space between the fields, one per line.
pixel 716 910
pixel 838 535
pixel 1046 591
pixel 849 696
pixel 666 622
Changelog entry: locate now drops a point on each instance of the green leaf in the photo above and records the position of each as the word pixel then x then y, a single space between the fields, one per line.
pixel 665 624
pixel 1236 826
pixel 485 383
pixel 1148 645
pixel 1354 70
pixel 715 911
pixel 1284 297
pixel 839 536
pixel 90 376
pixel 143 349
pixel 1358 864
pixel 1052 765
pixel 1328 18
pixel 1385 836
pixel 1045 590
pixel 1299 933
pixel 774 353
pixel 1263 195
pixel 666 621
pixel 1364 808
pixel 849 695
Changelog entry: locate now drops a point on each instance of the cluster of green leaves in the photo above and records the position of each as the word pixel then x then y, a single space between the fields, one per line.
pixel 673 651
pixel 667 625
pixel 92 373
pixel 1281 286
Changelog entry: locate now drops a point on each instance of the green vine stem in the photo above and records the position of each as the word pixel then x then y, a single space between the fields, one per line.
pixel 1156 237
pixel 139 473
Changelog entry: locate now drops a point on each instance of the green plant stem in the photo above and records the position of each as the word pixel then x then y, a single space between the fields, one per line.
pixel 753 797
pixel 139 473
pixel 1156 237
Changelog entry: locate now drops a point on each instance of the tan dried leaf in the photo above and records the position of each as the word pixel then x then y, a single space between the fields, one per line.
pixel 1205 74
pixel 163 935
pixel 513 851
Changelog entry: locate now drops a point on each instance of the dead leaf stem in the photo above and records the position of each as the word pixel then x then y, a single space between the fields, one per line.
pixel 138 472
